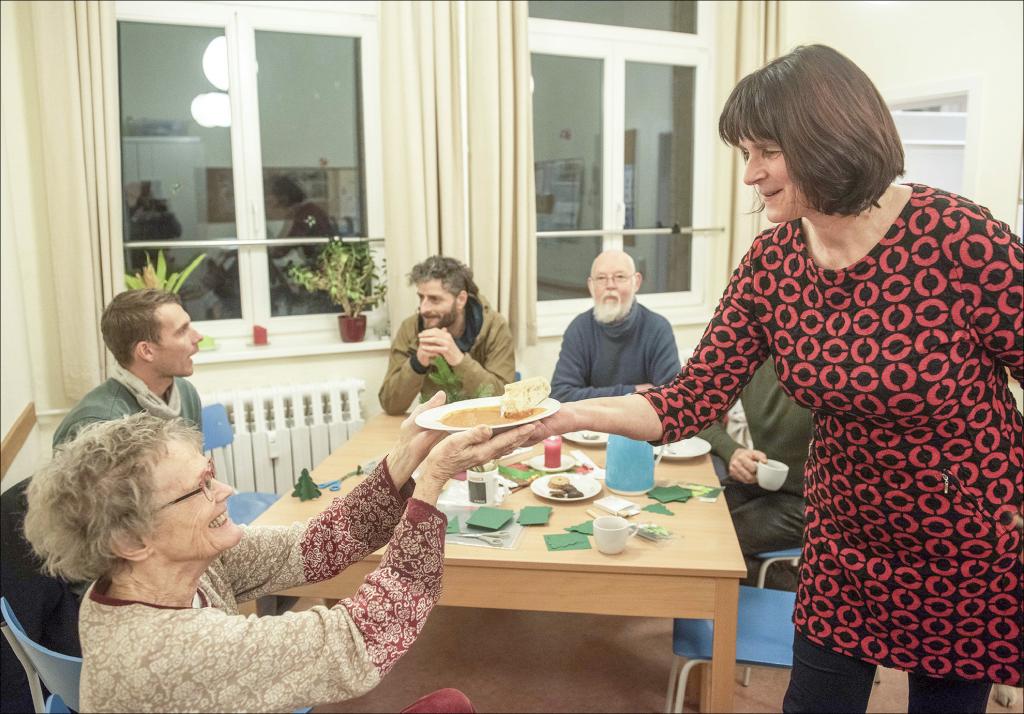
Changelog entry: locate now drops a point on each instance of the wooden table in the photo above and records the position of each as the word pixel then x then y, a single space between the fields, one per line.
pixel 695 575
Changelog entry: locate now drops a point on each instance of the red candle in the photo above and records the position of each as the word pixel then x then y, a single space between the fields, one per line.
pixel 259 335
pixel 553 452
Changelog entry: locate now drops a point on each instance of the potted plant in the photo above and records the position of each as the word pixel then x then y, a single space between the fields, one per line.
pixel 346 272
pixel 157 277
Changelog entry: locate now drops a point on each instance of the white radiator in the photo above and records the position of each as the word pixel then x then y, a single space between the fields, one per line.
pixel 281 430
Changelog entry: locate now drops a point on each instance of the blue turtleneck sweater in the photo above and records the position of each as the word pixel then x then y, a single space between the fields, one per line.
pixel 609 360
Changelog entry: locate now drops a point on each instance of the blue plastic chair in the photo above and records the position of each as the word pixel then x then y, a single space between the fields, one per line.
pixel 56 705
pixel 775 556
pixel 217 431
pixel 243 508
pixel 59 672
pixel 764 636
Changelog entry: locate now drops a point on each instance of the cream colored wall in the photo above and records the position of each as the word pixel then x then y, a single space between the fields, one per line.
pixel 904 46
pixel 18 387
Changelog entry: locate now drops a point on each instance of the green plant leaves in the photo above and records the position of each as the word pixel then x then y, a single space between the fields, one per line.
pixel 347 273
pixel 156 277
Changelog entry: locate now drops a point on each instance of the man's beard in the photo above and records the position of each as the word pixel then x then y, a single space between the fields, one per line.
pixel 611 310
pixel 447 319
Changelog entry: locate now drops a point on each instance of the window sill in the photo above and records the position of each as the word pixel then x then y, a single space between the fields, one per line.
pixel 236 350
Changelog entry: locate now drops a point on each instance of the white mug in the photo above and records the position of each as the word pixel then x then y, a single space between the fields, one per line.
pixel 771 474
pixel 485 488
pixel 611 533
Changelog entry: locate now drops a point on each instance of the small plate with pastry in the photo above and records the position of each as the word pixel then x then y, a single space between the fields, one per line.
pixel 566 487
pixel 523 402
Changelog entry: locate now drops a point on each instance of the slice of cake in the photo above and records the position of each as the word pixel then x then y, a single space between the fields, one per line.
pixel 521 397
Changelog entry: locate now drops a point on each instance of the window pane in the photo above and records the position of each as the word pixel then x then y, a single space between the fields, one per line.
pixel 211 290
pixel 176 171
pixel 567 139
pixel 671 15
pixel 563 265
pixel 311 136
pixel 659 171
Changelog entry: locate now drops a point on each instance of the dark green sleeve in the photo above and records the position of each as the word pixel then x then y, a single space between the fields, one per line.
pixel 722 445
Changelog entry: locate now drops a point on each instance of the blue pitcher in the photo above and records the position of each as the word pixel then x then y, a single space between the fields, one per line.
pixel 629 466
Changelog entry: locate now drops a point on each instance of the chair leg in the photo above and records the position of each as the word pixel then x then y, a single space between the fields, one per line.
pixel 671 684
pixel 34 687
pixel 681 685
pixel 746 676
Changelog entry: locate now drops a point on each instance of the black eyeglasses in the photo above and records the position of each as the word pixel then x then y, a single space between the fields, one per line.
pixel 208 476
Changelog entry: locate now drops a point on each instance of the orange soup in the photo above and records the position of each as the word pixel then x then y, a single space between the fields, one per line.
pixel 489 416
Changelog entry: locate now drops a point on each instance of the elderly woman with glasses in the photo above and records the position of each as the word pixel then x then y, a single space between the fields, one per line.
pixel 134 506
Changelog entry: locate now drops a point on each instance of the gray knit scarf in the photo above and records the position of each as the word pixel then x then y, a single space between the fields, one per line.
pixel 152 403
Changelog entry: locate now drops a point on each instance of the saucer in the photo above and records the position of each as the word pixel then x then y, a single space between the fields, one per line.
pixel 537 462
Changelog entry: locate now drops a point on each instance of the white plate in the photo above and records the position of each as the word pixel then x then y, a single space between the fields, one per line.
pixel 596 438
pixel 686 449
pixel 431 419
pixel 586 485
pixel 537 462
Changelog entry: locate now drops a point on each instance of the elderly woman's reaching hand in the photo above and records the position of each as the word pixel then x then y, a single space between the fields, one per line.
pixel 134 506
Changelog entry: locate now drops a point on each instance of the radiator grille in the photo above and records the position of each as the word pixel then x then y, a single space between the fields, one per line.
pixel 278 431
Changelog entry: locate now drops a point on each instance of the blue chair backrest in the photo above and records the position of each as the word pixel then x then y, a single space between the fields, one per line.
pixel 59 672
pixel 216 427
pixel 56 705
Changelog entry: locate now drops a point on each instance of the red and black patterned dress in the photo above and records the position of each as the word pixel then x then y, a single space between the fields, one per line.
pixel 910 557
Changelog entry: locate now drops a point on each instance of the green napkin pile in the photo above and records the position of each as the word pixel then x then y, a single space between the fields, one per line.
pixel 586 528
pixel 567 541
pixel 657 508
pixel 534 515
pixel 666 494
pixel 490 518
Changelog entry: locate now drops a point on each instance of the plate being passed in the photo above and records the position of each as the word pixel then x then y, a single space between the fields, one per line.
pixel 537 462
pixel 586 485
pixel 594 438
pixel 485 410
pixel 686 449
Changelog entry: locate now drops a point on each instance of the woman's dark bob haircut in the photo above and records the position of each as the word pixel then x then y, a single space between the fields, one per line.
pixel 835 131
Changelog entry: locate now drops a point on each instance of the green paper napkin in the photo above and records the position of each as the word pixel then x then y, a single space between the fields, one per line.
pixel 586 528
pixel 516 474
pixel 534 515
pixel 567 541
pixel 704 493
pixel 658 508
pixel 453 526
pixel 670 493
pixel 711 495
pixel 490 518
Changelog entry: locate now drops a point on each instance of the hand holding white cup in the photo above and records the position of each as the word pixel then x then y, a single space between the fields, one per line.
pixel 771 474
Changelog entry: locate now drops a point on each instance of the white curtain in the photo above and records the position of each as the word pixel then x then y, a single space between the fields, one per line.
pixel 424 202
pixel 757 40
pixel 75 46
pixel 502 212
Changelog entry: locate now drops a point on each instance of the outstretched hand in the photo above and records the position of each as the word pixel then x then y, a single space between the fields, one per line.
pixel 414 443
pixel 563 421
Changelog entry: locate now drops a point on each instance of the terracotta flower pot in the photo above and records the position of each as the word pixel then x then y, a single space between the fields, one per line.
pixel 352 329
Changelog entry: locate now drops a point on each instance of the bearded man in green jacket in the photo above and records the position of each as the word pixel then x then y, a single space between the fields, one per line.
pixel 455 323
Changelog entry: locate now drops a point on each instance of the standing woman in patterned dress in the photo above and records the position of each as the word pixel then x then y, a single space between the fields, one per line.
pixel 894 313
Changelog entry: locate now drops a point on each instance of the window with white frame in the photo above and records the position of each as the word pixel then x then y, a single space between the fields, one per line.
pixel 249 134
pixel 621 90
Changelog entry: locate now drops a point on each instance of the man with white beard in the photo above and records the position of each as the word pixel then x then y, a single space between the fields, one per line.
pixel 618 347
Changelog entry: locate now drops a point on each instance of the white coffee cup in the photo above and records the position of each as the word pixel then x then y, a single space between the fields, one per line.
pixel 771 474
pixel 611 533
pixel 487 485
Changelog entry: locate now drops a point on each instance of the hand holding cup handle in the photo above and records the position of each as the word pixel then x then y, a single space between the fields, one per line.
pixel 771 474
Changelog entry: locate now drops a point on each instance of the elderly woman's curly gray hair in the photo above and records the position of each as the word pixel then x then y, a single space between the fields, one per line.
pixel 97 491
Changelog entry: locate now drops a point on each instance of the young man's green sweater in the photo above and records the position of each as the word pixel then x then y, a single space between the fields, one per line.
pixel 113 400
